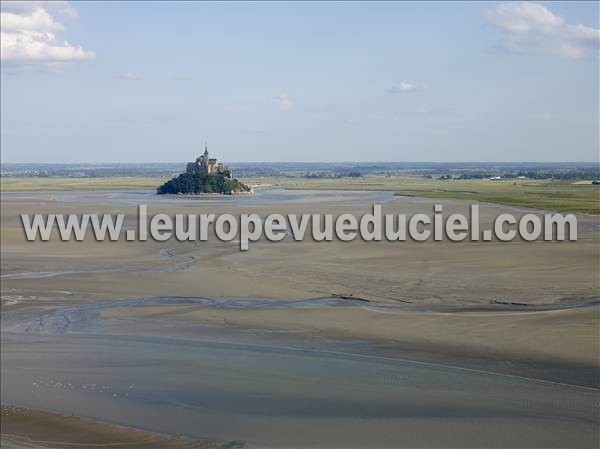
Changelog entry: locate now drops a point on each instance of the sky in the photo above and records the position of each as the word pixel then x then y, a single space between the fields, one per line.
pixel 152 82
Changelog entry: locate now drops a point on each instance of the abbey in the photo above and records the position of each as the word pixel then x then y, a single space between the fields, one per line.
pixel 207 166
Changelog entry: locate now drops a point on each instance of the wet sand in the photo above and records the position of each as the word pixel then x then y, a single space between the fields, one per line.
pixel 465 273
pixel 204 341
pixel 272 395
pixel 24 428
pixel 495 336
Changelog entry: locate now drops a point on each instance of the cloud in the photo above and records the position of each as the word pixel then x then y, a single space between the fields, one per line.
pixel 62 8
pixel 283 102
pixel 28 36
pixel 403 87
pixel 130 76
pixel 533 28
pixel 37 20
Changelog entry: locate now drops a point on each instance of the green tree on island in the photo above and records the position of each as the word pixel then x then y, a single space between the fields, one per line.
pixel 195 183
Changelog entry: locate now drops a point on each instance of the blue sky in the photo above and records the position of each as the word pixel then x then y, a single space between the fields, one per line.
pixel 127 82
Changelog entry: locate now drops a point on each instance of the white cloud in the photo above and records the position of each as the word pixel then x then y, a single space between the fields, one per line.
pixel 533 28
pixel 283 102
pixel 37 20
pixel 62 8
pixel 28 35
pixel 130 76
pixel 403 87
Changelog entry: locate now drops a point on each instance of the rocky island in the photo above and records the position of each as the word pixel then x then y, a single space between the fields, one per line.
pixel 204 175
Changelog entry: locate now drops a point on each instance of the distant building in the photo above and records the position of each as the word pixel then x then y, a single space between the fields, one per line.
pixel 207 166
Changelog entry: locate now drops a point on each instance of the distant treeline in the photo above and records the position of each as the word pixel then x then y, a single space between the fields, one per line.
pixel 321 175
pixel 566 174
pixel 462 170
pixel 191 183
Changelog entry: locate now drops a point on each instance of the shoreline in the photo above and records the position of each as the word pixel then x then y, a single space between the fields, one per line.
pixel 205 194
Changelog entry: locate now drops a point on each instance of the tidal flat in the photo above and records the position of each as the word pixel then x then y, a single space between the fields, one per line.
pixel 300 344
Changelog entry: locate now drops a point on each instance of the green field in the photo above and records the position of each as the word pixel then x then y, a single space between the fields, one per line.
pixel 542 194
pixel 548 195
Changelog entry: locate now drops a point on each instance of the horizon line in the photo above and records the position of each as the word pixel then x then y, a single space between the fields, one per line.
pixel 308 162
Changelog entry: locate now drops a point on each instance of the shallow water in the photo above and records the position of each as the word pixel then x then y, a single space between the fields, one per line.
pixel 278 390
pixel 271 396
pixel 147 196
pixel 86 317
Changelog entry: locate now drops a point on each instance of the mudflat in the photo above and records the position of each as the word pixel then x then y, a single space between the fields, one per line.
pixel 367 344
pixel 27 428
pixel 443 273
